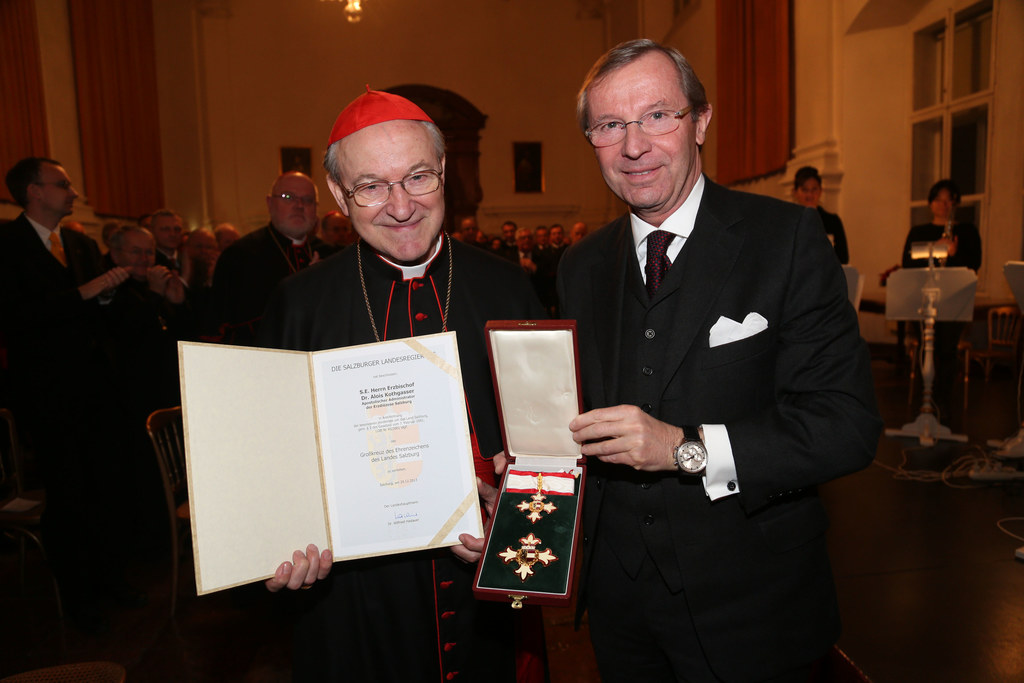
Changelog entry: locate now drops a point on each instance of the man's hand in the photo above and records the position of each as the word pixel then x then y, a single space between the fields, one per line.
pixel 472 548
pixel 951 244
pixel 304 570
pixel 626 435
pixel 175 292
pixel 158 277
pixel 103 284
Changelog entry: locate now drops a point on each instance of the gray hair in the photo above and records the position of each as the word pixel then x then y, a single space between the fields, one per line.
pixel 332 162
pixel 626 53
pixel 117 239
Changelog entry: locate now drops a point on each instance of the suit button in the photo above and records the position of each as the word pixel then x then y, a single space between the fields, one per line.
pixel 648 520
pixel 649 333
pixel 648 371
pixel 586 539
pixel 646 407
pixel 731 486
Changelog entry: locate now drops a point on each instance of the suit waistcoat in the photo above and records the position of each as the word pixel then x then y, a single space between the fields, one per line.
pixel 635 520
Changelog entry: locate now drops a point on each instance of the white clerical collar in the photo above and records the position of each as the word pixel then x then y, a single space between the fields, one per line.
pixel 679 223
pixel 420 269
pixel 42 230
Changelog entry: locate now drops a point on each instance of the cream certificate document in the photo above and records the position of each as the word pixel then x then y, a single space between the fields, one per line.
pixel 364 450
pixel 393 426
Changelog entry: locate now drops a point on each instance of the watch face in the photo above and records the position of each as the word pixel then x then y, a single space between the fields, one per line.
pixel 691 457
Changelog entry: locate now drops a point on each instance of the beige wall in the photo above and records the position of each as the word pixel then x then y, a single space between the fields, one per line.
pixel 238 79
pixel 243 79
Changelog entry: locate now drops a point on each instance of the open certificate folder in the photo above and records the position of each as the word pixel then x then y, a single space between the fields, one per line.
pixel 364 449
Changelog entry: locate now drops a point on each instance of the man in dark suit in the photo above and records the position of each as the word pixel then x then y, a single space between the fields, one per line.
pixel 169 232
pixel 724 378
pixel 51 287
pixel 249 269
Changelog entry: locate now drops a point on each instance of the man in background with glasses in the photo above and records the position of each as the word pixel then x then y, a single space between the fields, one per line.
pixel 411 616
pixel 52 290
pixel 724 378
pixel 250 268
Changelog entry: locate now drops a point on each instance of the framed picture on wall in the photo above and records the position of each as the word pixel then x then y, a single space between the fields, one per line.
pixel 528 167
pixel 297 159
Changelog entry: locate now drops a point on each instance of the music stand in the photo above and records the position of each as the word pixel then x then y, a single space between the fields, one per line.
pixel 929 294
pixel 1012 447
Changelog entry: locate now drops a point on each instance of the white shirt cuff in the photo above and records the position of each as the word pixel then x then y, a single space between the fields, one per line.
pixel 720 474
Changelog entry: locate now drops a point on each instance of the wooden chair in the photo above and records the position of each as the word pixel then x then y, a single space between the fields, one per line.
pixel 165 431
pixel 21 511
pixel 1004 328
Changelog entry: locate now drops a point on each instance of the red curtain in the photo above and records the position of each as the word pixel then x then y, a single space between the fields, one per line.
pixel 22 107
pixel 754 104
pixel 118 114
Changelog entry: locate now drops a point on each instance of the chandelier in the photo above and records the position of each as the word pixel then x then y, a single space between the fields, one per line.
pixel 353 9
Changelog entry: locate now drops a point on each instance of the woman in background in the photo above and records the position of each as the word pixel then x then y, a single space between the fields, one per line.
pixel 807 191
pixel 964 244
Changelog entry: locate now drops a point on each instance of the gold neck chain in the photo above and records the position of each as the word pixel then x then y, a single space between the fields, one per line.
pixel 366 296
pixel 292 267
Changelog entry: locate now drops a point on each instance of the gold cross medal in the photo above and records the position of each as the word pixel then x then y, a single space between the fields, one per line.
pixel 527 556
pixel 540 485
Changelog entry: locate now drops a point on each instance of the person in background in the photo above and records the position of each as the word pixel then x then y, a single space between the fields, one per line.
pixel 226 235
pixel 578 232
pixel 336 230
pixel 807 192
pixel 963 242
pixel 169 231
pixel 249 270
pixel 52 291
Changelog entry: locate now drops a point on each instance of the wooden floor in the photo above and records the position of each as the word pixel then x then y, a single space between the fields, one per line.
pixel 928 584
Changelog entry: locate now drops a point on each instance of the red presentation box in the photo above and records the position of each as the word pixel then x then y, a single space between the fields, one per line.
pixel 532 544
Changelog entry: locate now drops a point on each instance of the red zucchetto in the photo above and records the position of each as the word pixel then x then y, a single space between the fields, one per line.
pixel 372 107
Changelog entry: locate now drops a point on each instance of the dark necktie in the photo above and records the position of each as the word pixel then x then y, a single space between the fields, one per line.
pixel 657 260
pixel 301 256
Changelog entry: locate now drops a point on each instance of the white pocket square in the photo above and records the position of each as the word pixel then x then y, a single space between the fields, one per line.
pixel 727 330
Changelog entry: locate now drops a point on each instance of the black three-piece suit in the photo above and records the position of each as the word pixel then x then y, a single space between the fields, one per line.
pixel 797 401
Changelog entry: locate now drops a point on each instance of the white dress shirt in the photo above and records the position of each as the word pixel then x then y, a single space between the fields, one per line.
pixel 721 467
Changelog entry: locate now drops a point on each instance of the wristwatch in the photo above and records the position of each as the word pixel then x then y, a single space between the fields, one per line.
pixel 691 456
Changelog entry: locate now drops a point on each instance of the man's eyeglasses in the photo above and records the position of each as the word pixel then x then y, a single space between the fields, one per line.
pixel 62 184
pixel 289 198
pixel 379 191
pixel 660 122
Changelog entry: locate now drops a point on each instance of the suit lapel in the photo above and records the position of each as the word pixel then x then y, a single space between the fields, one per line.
pixel 34 250
pixel 706 261
pixel 609 283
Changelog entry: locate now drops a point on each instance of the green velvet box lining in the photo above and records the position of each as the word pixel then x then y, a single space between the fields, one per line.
pixel 556 532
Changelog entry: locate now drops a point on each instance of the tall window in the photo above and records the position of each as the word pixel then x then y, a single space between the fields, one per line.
pixel 952 104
